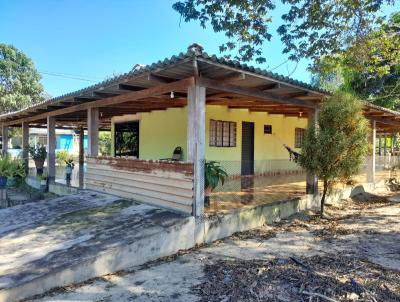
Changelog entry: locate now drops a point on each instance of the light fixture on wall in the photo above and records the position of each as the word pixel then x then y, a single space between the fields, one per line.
pixel 172 95
pixel 300 113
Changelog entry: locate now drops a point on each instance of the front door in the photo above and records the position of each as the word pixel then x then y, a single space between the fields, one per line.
pixel 247 148
pixel 127 139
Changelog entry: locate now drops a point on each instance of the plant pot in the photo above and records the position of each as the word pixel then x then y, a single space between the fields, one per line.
pixel 207 193
pixel 11 182
pixel 39 163
pixel 68 170
pixel 3 182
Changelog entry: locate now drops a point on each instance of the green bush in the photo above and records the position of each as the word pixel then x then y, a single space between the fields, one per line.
pixel 105 142
pixel 214 174
pixel 62 157
pixel 37 152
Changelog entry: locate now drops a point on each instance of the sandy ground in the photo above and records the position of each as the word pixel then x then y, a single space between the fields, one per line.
pixel 366 231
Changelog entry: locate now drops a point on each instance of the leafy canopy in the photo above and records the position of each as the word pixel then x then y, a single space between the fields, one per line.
pixel 370 70
pixel 310 29
pixel 19 80
pixel 335 149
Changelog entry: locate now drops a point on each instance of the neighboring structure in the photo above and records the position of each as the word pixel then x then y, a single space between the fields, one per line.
pixel 213 108
pixel 66 139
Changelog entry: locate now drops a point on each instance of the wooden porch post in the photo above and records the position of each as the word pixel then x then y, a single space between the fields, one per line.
pixel 81 156
pixel 380 144
pixel 384 144
pixel 311 179
pixel 93 131
pixel 372 159
pixel 4 134
pixel 51 148
pixel 196 142
pixel 25 144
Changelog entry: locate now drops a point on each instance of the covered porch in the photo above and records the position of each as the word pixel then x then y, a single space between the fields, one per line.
pixel 213 109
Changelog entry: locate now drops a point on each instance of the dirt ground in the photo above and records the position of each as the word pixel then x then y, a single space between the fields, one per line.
pixel 351 255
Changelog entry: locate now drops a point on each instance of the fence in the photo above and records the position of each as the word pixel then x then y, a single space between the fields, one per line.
pixel 161 183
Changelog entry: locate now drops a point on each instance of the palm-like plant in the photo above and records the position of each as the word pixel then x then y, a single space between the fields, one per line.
pixel 214 174
pixel 38 154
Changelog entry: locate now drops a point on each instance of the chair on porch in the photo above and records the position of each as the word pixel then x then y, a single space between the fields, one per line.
pixel 176 156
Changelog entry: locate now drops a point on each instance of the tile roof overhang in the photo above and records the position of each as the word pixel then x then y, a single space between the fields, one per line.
pixel 228 82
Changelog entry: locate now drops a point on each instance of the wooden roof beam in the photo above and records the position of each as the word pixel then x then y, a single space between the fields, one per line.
pixel 159 79
pixel 129 87
pixel 268 86
pixel 296 94
pixel 384 121
pixel 104 94
pixel 123 98
pixel 262 95
pixel 233 77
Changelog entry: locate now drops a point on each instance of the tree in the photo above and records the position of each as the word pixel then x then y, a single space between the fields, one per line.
pixel 335 149
pixel 19 80
pixel 310 29
pixel 105 142
pixel 372 76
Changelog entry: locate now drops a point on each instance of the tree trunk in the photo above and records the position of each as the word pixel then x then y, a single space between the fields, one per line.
pixel 323 197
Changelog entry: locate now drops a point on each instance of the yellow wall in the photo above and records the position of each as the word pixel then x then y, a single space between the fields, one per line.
pixel 162 131
pixel 266 146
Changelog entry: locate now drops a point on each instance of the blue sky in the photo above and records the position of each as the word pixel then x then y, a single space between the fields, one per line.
pixel 94 39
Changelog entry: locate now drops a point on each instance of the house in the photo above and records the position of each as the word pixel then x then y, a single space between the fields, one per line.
pixel 66 140
pixel 213 108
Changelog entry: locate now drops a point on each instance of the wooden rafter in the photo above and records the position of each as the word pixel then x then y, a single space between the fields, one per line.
pixel 267 96
pixel 123 98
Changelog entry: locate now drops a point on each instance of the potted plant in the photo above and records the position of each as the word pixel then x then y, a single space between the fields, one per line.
pixel 43 182
pixel 17 172
pixel 38 154
pixel 5 169
pixel 214 173
pixel 69 165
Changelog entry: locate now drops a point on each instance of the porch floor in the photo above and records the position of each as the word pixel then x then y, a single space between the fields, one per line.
pixel 251 191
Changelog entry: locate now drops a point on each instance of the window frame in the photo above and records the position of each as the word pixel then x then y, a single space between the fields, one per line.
pixel 222 134
pixel 299 134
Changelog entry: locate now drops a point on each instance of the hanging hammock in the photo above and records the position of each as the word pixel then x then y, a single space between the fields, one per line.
pixel 293 155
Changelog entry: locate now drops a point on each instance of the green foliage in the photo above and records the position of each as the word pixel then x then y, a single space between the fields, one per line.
pixel 62 156
pixel 369 69
pixel 17 168
pixel 44 176
pixel 105 142
pixel 37 152
pixel 14 169
pixel 310 29
pixel 214 173
pixel 6 165
pixel 69 162
pixel 19 80
pixel 335 150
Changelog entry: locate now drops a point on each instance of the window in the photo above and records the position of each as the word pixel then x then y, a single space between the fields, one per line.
pixel 222 134
pixel 267 129
pixel 298 137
